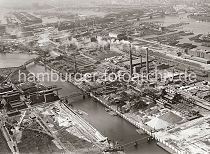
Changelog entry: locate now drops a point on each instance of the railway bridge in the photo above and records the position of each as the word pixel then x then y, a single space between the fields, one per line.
pixel 33 60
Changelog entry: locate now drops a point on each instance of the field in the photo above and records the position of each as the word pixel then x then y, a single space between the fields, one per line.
pixel 37 142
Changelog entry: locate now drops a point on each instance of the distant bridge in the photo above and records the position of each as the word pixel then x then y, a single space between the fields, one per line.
pixel 121 147
pixel 31 61
pixel 20 67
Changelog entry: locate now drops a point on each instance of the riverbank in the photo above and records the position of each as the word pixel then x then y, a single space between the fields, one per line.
pixel 73 132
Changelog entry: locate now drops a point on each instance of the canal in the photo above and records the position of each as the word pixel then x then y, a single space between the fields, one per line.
pixel 113 127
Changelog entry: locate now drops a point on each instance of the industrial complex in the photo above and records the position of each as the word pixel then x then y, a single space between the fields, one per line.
pixel 105 77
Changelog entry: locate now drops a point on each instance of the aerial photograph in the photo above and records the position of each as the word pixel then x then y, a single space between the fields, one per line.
pixel 104 76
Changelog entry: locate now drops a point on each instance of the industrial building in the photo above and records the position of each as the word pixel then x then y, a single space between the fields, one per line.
pixel 13 102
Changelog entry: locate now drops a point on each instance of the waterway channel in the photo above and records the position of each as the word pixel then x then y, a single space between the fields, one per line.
pixel 113 127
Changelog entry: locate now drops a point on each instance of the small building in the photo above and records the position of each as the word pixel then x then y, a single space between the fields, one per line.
pixel 202 56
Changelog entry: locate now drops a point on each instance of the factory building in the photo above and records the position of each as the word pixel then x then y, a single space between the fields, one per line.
pixel 43 97
pixel 13 102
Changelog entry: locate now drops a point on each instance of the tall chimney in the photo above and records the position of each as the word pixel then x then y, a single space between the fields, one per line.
pixel 147 60
pixel 131 61
pixel 140 61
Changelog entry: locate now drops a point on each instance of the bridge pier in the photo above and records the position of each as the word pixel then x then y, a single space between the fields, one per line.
pixel 150 139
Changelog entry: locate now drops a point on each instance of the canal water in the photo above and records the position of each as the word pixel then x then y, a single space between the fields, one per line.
pixel 197 27
pixel 113 127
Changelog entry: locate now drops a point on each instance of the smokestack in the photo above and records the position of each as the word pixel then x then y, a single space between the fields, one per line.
pixel 147 60
pixel 131 61
pixel 140 61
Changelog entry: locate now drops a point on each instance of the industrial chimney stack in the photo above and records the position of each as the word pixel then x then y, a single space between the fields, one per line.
pixel 131 61
pixel 147 60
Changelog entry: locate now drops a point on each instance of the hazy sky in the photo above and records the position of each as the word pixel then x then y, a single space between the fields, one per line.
pixel 78 2
pixel 29 2
pixel 15 2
